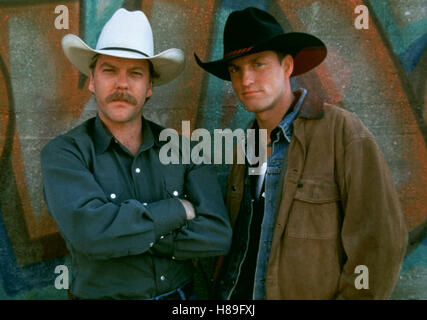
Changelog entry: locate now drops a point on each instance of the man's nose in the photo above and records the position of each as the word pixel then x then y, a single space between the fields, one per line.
pixel 122 80
pixel 247 77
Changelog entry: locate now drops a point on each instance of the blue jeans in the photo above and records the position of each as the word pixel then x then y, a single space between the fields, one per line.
pixel 185 292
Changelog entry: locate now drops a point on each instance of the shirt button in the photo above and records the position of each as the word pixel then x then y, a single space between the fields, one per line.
pixel 161 237
pixel 173 258
pixel 175 193
pixel 144 204
pixel 113 196
pixel 162 278
pixel 263 195
pixel 151 244
pixel 137 170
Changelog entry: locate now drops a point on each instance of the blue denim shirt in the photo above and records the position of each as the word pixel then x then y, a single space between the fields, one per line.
pixel 280 138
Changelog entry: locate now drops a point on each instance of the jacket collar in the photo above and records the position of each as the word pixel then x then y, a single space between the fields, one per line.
pixel 312 107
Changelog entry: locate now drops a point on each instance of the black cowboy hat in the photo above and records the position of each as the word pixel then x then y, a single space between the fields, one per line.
pixel 253 30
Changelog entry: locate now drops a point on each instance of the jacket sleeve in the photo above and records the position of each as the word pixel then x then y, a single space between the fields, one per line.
pixel 209 233
pixel 374 232
pixel 88 220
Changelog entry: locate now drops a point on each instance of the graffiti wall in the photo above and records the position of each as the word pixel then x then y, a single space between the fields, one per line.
pixel 377 71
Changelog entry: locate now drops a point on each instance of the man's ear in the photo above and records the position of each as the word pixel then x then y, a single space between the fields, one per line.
pixel 150 89
pixel 149 92
pixel 91 86
pixel 288 63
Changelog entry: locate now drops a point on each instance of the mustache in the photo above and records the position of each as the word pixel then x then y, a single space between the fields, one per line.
pixel 121 96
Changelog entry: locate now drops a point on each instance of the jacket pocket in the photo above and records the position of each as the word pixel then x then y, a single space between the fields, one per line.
pixel 315 212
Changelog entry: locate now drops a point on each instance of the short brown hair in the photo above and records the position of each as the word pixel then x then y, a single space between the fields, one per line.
pixel 280 55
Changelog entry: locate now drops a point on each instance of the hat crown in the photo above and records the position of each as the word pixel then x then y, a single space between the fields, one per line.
pixel 249 27
pixel 126 35
pixel 253 30
pixel 127 29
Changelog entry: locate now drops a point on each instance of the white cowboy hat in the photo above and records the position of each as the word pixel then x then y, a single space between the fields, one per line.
pixel 126 35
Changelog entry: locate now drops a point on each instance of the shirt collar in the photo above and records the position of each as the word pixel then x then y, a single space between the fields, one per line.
pixel 103 136
pixel 147 136
pixel 286 124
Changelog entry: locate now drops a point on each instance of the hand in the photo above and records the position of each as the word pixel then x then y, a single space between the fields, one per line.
pixel 189 209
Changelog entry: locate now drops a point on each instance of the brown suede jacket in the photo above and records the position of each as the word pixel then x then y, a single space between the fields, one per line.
pixel 339 210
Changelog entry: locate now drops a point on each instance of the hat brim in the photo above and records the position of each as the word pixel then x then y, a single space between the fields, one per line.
pixel 307 50
pixel 167 64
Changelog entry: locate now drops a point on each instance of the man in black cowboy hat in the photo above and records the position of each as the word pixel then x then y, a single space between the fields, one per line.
pixel 323 220
pixel 132 224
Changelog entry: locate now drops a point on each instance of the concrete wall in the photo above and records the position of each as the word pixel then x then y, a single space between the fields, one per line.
pixel 379 73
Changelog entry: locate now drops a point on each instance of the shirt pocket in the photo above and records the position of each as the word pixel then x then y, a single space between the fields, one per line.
pixel 174 187
pixel 315 212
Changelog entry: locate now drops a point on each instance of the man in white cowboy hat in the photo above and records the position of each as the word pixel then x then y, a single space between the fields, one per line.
pixel 132 225
pixel 323 221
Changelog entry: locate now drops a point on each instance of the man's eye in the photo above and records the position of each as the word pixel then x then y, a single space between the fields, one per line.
pixel 232 69
pixel 107 70
pixel 138 74
pixel 259 64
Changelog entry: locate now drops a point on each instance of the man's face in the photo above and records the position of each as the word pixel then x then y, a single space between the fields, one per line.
pixel 261 81
pixel 121 87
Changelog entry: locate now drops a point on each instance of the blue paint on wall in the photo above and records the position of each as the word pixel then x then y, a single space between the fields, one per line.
pixel 94 21
pixel 413 54
pixel 418 257
pixel 17 279
pixel 409 42
pixel 241 4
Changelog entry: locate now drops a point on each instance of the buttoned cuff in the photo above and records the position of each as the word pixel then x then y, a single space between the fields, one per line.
pixel 167 216
pixel 165 246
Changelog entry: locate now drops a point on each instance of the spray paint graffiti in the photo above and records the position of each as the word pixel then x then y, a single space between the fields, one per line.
pixel 378 73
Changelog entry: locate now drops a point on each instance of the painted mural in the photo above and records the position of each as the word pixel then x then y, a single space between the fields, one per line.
pixel 378 72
